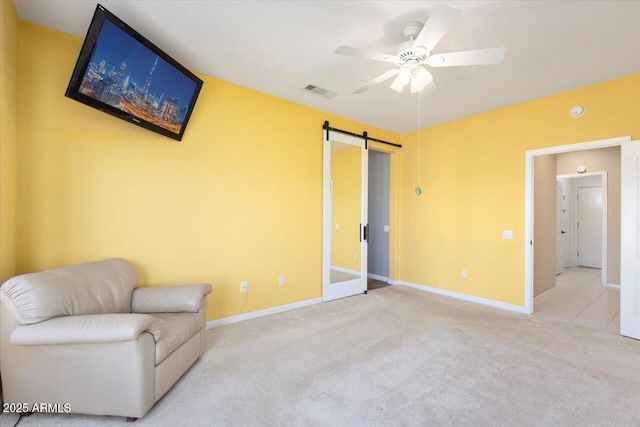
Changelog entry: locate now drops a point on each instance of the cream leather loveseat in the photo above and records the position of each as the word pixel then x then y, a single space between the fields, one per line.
pixel 87 338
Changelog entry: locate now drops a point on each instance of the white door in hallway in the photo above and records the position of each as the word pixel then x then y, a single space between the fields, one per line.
pixel 589 227
pixel 559 232
pixel 630 240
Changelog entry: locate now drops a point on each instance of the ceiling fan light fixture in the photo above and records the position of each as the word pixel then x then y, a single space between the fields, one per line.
pixel 403 78
pixel 395 86
pixel 420 79
pixel 417 85
pixel 423 76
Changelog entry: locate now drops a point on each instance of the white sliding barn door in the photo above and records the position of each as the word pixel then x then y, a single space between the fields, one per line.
pixel 630 240
pixel 345 229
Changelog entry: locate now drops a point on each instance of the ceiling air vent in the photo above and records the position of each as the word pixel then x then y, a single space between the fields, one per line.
pixel 325 93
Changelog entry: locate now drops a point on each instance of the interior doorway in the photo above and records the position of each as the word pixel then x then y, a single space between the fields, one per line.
pixel 580 295
pixel 379 188
pixel 627 176
pixel 585 222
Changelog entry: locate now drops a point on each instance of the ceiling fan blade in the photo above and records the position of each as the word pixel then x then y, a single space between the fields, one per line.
pixel 366 54
pixel 439 22
pixel 376 81
pixel 470 57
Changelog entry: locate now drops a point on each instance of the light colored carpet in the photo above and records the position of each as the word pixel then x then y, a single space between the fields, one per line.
pixel 399 357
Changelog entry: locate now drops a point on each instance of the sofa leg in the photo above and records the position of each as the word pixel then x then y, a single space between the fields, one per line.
pixel 131 419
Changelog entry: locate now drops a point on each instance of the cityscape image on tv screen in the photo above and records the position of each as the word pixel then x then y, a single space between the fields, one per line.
pixel 127 75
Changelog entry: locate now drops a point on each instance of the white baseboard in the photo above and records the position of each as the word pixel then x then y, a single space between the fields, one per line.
pixel 267 311
pixel 282 308
pixel 471 298
pixel 345 270
pixel 375 276
pixel 610 285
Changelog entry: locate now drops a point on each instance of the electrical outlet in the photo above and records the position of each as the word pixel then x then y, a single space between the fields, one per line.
pixel 464 273
pixel 281 280
pixel 243 286
pixel 355 255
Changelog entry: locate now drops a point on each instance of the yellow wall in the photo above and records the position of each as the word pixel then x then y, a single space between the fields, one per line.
pixel 472 175
pixel 8 120
pixel 346 176
pixel 240 198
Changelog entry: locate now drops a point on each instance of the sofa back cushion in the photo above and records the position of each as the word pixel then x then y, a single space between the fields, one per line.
pixel 90 288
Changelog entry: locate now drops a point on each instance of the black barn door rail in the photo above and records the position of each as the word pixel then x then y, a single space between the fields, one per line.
pixel 364 136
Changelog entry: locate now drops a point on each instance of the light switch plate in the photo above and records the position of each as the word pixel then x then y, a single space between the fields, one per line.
pixel 386 228
pixel 507 234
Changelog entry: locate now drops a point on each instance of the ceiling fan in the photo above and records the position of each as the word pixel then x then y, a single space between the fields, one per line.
pixel 412 55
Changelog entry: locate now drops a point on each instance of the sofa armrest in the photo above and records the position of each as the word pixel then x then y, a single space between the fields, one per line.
pixel 169 299
pixel 85 329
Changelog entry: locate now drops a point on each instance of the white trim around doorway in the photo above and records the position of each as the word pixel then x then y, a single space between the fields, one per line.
pixel 528 203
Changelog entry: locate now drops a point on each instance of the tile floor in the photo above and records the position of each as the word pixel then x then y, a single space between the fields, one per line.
pixel 580 298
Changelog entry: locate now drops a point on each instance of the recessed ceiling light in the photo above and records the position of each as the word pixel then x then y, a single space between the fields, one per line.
pixel 577 111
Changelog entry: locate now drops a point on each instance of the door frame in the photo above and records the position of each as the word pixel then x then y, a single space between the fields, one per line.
pixel 394 189
pixel 561 236
pixel 574 219
pixel 528 202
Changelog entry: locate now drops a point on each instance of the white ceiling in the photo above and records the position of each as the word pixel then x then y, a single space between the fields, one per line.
pixel 278 47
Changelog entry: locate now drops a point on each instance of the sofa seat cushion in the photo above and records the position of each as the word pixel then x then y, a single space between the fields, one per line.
pixel 171 330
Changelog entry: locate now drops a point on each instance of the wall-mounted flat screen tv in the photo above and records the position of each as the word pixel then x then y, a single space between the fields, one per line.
pixel 122 73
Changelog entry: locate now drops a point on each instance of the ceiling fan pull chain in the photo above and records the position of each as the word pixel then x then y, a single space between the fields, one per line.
pixel 418 189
